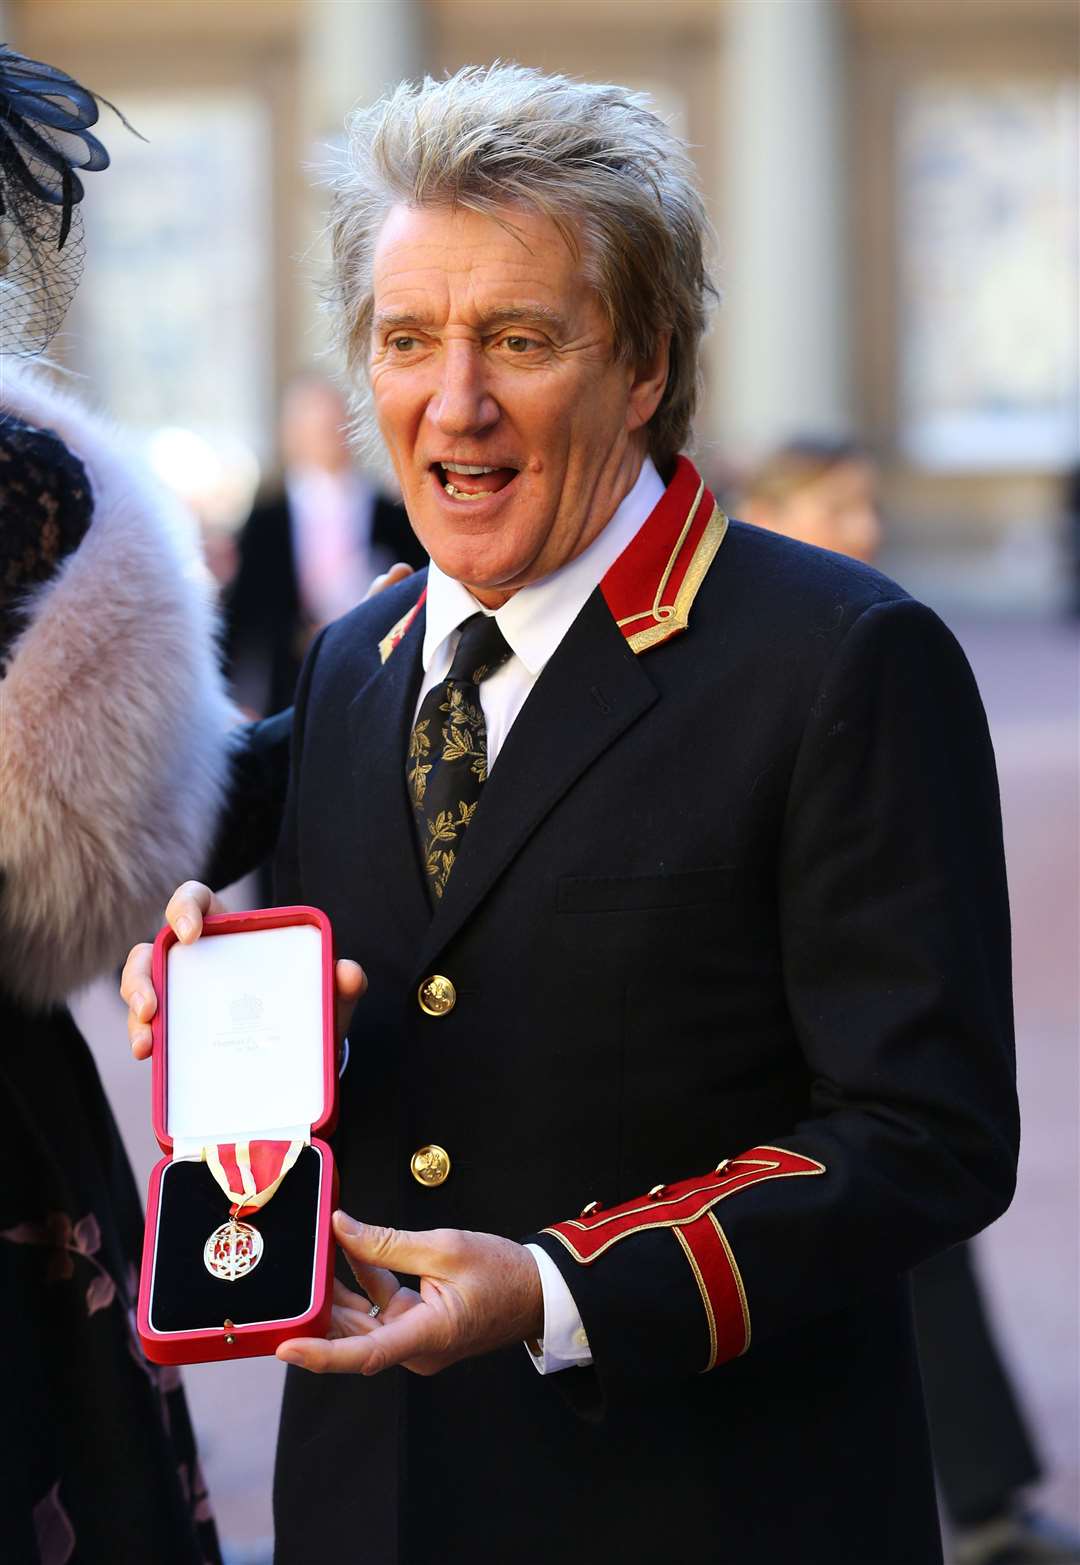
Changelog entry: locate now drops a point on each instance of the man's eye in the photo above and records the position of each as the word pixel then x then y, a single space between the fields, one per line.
pixel 402 344
pixel 517 344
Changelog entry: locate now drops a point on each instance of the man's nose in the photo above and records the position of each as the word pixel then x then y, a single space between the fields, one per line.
pixel 462 403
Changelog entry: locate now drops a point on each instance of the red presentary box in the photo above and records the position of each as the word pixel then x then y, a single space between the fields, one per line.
pixel 244 1053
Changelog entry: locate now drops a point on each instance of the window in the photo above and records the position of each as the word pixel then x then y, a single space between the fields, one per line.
pixel 988 269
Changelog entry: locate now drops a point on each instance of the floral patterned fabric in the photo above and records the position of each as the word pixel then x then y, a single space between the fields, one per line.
pixel 98 1465
pixel 448 750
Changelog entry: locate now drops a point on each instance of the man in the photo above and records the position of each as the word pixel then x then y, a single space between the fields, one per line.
pixel 705 987
pixel 308 554
pixel 824 492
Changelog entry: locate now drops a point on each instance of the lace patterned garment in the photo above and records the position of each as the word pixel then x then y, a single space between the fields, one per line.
pixel 45 510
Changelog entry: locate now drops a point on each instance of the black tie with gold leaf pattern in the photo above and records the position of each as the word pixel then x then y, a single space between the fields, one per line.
pixel 448 750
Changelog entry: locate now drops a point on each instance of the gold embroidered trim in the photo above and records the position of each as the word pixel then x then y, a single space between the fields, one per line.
pixel 657 611
pixel 740 1285
pixel 642 1228
pixel 712 1197
pixel 396 632
pixel 709 1316
pixel 711 1192
pixel 669 618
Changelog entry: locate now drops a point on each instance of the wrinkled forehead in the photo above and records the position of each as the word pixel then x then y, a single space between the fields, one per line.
pixel 433 264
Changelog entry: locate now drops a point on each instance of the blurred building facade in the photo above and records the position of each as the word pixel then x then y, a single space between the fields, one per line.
pixel 893 184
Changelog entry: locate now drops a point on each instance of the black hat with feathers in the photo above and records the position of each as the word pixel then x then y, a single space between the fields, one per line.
pixel 45 144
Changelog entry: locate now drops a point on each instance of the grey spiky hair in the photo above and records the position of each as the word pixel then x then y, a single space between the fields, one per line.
pixel 594 158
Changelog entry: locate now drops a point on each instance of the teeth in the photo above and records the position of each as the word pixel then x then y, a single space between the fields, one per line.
pixel 465 494
pixel 460 467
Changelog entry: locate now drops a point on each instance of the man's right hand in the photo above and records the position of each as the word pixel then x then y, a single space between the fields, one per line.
pixel 188 906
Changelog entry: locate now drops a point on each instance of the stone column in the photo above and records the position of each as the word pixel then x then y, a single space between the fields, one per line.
pixel 350 52
pixel 786 325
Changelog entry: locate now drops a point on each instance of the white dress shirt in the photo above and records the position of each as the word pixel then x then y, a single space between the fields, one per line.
pixel 534 622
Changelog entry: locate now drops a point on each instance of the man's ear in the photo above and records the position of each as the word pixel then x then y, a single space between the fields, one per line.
pixel 649 384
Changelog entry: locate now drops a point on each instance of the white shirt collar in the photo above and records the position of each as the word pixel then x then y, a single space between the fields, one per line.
pixel 537 617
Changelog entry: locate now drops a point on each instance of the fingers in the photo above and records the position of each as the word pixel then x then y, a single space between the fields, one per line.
pixel 391 1249
pixel 378 1283
pixel 188 906
pixel 350 981
pixel 346 1299
pixel 137 991
pixel 334 1355
pixel 397 572
pixel 418 1335
pixel 477 1292
pixel 351 1314
pixel 380 1286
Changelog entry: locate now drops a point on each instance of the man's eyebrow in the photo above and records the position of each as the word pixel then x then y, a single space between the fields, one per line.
pixel 523 315
pixel 396 320
pixel 511 315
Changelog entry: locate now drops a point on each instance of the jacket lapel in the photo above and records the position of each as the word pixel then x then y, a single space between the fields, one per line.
pixel 591 691
pixel 379 722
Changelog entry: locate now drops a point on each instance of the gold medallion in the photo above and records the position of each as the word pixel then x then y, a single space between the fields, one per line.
pixel 233 1250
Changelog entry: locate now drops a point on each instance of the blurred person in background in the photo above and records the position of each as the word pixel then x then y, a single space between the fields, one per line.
pixel 709 1002
pixel 1072 539
pixel 819 491
pixel 824 492
pixel 310 552
pixel 106 628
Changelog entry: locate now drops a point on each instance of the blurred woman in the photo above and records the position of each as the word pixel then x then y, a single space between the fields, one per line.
pixel 113 762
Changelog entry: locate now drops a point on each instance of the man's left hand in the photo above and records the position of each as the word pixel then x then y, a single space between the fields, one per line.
pixel 478 1292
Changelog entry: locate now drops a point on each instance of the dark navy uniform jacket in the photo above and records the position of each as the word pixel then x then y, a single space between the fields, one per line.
pixel 265 619
pixel 731 1036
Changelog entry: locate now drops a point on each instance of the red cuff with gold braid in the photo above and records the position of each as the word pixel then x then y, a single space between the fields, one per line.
pixel 687 1209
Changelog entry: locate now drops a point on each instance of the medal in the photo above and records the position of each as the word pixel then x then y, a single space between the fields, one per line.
pixel 233 1250
pixel 249 1172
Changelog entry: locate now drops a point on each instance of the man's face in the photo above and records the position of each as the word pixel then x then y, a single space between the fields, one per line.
pixel 489 350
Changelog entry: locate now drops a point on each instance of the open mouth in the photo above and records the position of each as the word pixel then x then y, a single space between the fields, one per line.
pixel 465 482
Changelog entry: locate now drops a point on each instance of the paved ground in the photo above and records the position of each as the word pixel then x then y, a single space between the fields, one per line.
pixel 1030 1260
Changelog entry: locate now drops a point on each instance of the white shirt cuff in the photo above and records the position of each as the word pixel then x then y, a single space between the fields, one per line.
pixel 565 1343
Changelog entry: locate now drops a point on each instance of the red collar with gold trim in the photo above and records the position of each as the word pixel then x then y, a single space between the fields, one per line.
pixel 651 586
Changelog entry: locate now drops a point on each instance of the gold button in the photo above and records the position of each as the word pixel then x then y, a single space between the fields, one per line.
pixel 430 1166
pixel 437 995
